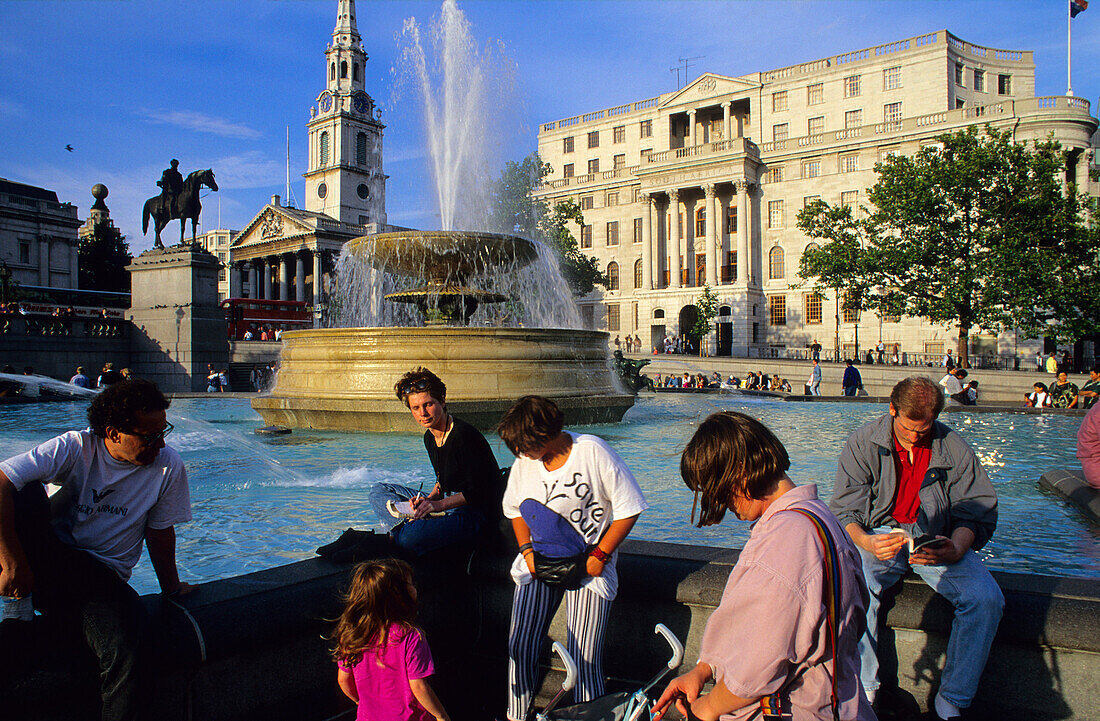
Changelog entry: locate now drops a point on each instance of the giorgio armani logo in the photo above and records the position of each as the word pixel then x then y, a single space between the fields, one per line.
pixel 97 496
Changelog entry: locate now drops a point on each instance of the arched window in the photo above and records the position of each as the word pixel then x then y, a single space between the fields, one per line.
pixel 638 273
pixel 701 221
pixel 659 313
pixel 612 276
pixel 324 147
pixel 777 267
pixel 332 71
pixel 343 69
pixel 355 72
pixel 361 148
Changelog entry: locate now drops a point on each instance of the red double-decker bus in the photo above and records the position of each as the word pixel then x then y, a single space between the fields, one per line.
pixel 257 314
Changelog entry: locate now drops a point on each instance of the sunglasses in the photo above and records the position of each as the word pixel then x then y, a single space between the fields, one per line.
pixel 152 438
pixel 414 387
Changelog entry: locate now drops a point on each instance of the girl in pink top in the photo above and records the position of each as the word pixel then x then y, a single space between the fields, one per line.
pixel 382 658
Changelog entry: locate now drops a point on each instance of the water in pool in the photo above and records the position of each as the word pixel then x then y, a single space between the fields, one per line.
pixel 260 502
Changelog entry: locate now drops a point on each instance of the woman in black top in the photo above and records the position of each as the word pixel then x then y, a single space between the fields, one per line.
pixel 465 501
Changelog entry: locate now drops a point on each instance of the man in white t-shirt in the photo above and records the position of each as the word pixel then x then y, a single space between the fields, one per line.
pixel 121 487
pixel 951 387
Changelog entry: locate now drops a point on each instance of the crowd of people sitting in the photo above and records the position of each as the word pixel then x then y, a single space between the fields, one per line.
pixel 1063 393
pixel 753 381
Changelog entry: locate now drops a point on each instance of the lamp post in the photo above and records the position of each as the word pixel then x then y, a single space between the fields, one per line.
pixel 5 278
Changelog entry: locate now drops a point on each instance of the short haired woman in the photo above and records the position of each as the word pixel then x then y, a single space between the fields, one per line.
pixel 572 501
pixel 464 504
pixel 771 647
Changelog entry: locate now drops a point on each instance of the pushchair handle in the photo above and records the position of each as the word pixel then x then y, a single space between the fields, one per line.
pixel 570 666
pixel 677 647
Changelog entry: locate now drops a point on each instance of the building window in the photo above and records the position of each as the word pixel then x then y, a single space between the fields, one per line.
pixel 612 276
pixel 853 118
pixel 587 202
pixel 731 219
pixel 777 268
pixel 851 86
pixel 779 101
pixel 324 147
pixel 646 152
pixel 851 315
pixel 594 139
pixel 586 236
pixel 849 198
pixel 777 309
pixel 613 317
pixel 933 347
pixel 332 71
pixel 1004 85
pixel 618 134
pixel 891 112
pixel 700 222
pixel 960 75
pixel 979 81
pixel 809 199
pixel 849 163
pixel 611 199
pixel 567 170
pixel 618 162
pixel 637 276
pixel 816 126
pixel 355 72
pixel 775 175
pixel 811 168
pixel 637 235
pixel 729 270
pixel 361 149
pixel 613 234
pixel 815 94
pixel 646 128
pixel 567 144
pixel 891 78
pixel 775 213
pixel 891 319
pixel 780 132
pixel 593 166
pixel 635 194
pixel 811 303
pixel 959 103
pixel 25 252
pixel 343 69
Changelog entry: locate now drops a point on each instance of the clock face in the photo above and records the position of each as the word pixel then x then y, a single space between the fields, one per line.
pixel 322 190
pixel 360 103
pixel 363 191
pixel 326 103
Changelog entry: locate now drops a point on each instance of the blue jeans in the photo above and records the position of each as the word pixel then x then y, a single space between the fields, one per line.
pixel 460 527
pixel 978 603
pixel 850 390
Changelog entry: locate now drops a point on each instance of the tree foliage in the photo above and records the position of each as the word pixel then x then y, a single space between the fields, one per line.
pixel 103 256
pixel 706 310
pixel 975 231
pixel 514 209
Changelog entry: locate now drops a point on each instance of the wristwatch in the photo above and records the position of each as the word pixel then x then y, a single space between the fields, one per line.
pixel 600 555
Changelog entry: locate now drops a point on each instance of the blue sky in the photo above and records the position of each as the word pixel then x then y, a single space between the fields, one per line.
pixel 132 83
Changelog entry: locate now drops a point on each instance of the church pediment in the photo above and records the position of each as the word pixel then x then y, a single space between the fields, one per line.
pixel 708 85
pixel 271 224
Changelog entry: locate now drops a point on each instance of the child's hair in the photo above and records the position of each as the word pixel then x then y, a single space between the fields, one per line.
pixel 381 595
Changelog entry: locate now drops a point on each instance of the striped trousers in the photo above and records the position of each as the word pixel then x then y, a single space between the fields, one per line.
pixel 533 607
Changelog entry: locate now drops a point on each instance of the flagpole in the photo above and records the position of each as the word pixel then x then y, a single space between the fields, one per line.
pixel 1069 48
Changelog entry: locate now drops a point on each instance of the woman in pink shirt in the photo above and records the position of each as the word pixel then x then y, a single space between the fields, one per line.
pixel 771 645
pixel 383 660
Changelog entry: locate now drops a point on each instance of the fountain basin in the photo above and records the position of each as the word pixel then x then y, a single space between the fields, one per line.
pixel 342 378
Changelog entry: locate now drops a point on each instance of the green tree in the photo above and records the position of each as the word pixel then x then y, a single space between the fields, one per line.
pixel 514 209
pixel 706 310
pixel 103 256
pixel 975 231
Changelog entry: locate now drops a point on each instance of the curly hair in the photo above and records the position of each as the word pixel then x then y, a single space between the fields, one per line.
pixel 730 454
pixel 119 405
pixel 532 421
pixel 419 381
pixel 381 595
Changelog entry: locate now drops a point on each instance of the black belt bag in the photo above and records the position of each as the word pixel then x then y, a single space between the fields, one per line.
pixel 568 572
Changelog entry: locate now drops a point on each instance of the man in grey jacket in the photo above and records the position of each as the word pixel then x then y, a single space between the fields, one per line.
pixel 908 471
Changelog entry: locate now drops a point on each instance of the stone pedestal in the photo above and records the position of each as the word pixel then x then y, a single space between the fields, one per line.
pixel 177 325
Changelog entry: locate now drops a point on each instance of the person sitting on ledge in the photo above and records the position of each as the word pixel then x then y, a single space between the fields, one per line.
pixel 1088 446
pixel 121 487
pixel 908 471
pixel 1038 398
pixel 771 647
pixel 1091 390
pixel 464 504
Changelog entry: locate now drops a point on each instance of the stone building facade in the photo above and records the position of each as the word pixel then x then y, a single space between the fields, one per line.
pixel 38 236
pixel 652 177
pixel 217 242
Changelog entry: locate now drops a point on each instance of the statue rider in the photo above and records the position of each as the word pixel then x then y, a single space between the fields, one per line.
pixel 171 185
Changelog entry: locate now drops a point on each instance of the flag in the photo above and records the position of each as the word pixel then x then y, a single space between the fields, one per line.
pixel 1077 6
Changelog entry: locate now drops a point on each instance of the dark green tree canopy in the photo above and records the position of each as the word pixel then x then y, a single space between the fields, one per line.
pixel 103 256
pixel 514 209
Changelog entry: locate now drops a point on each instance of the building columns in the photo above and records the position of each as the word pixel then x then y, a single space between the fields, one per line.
pixel 265 265
pixel 647 249
pixel 674 262
pixel 283 266
pixel 743 232
pixel 691 128
pixel 727 109
pixel 711 209
pixel 253 291
pixel 236 271
pixel 317 280
pixel 299 277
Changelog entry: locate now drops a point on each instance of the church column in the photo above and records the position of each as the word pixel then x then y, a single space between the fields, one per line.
pixel 299 277
pixel 691 128
pixel 283 262
pixel 265 265
pixel 647 239
pixel 712 210
pixel 317 280
pixel 727 130
pixel 250 268
pixel 236 273
pixel 677 241
pixel 743 232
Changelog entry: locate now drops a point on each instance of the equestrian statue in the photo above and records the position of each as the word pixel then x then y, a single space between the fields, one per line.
pixel 178 200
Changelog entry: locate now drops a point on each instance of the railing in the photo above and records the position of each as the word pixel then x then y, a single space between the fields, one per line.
pixel 601 114
pixel 47 326
pixel 850 57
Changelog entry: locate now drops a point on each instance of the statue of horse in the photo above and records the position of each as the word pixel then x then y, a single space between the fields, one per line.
pixel 187 206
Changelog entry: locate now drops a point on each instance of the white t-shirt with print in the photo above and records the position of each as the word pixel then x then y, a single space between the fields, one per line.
pixel 590 491
pixel 108 503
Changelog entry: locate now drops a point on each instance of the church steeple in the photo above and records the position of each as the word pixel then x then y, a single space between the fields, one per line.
pixel 345 55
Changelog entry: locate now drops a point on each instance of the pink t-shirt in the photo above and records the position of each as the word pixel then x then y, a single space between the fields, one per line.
pixel 1088 446
pixel 382 679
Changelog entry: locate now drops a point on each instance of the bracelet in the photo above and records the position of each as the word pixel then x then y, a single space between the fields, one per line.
pixel 600 555
pixel 526 547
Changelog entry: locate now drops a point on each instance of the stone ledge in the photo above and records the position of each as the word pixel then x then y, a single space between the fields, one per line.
pixel 1072 486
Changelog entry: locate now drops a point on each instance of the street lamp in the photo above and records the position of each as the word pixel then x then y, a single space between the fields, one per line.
pixel 5 278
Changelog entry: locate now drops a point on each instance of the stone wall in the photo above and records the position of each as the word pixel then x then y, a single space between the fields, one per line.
pixel 54 347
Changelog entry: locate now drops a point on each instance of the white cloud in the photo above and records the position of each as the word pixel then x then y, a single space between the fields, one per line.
pixel 201 123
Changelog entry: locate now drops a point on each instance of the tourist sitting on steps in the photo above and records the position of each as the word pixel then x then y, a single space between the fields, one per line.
pixel 464 504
